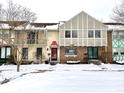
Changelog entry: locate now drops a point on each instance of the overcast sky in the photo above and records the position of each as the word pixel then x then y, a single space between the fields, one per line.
pixel 63 10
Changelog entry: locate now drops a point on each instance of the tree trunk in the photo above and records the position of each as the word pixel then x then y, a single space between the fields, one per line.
pixel 18 67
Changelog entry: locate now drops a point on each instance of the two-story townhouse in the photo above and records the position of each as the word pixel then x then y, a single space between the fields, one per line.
pixel 39 43
pixel 35 43
pixel 83 38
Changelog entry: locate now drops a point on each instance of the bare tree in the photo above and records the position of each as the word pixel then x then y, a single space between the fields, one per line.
pixel 16 16
pixel 118 12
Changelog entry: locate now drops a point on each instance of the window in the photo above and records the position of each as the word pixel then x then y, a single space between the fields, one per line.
pixel 97 34
pixel 8 52
pixel 39 53
pixel 25 53
pixel 90 33
pixel 31 36
pixel 5 52
pixel 70 51
pixel 122 53
pixel 74 34
pixel 115 53
pixel 67 34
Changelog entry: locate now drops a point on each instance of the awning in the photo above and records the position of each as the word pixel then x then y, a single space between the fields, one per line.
pixel 54 44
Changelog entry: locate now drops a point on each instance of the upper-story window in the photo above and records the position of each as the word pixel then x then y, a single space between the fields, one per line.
pixel 90 33
pixel 32 37
pixel 97 34
pixel 67 34
pixel 74 34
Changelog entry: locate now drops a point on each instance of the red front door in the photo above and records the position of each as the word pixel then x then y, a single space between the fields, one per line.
pixel 54 54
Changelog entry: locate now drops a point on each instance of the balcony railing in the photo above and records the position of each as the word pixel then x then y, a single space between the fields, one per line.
pixel 32 41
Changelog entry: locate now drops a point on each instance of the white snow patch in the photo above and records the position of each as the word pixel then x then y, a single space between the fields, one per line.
pixel 63 78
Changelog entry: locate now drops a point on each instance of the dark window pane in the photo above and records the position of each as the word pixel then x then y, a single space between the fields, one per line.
pixel 74 34
pixel 115 53
pixel 31 38
pixel 122 53
pixel 67 34
pixel 90 33
pixel 97 34
pixel 25 53
pixel 39 53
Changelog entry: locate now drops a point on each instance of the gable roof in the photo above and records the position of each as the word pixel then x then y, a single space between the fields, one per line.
pixel 83 21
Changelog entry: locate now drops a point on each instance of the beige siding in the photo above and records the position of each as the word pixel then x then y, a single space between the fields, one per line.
pixel 62 34
pixel 85 23
pixel 98 25
pixel 90 23
pixel 52 36
pixel 91 42
pixel 68 25
pixel 82 23
pixel 80 20
pixel 74 23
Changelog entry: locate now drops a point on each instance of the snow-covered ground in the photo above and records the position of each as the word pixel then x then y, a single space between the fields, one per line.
pixel 62 78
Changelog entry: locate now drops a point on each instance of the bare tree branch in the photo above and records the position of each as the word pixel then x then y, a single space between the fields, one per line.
pixel 14 16
pixel 118 12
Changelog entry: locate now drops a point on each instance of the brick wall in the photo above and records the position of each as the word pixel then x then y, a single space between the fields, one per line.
pixel 81 55
pixel 109 47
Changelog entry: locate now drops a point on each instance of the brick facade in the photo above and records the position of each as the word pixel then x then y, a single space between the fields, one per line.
pixel 82 55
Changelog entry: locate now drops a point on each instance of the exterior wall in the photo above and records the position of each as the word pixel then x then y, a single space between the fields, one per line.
pixel 118 44
pixel 52 35
pixel 109 47
pixel 82 23
pixel 81 55
pixel 32 52
pixel 21 37
pixel 7 37
pixel 40 42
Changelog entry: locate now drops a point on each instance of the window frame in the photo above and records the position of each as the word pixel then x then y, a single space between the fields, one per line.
pixel 66 35
pixel 25 54
pixel 31 36
pixel 89 34
pixel 67 51
pixel 74 35
pixel 97 33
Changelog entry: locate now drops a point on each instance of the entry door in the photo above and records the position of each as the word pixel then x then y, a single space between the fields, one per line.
pixel 92 52
pixel 54 54
pixel 39 53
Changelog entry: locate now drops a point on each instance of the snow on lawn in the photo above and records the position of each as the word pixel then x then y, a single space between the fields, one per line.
pixel 63 78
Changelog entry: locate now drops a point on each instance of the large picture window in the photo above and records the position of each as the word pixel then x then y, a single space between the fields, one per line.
pixel 90 34
pixel 74 34
pixel 67 34
pixel 97 34
pixel 70 51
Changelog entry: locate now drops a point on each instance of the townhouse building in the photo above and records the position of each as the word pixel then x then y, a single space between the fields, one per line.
pixel 83 38
pixel 78 40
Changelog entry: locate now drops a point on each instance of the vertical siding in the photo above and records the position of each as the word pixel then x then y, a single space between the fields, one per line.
pixel 82 23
